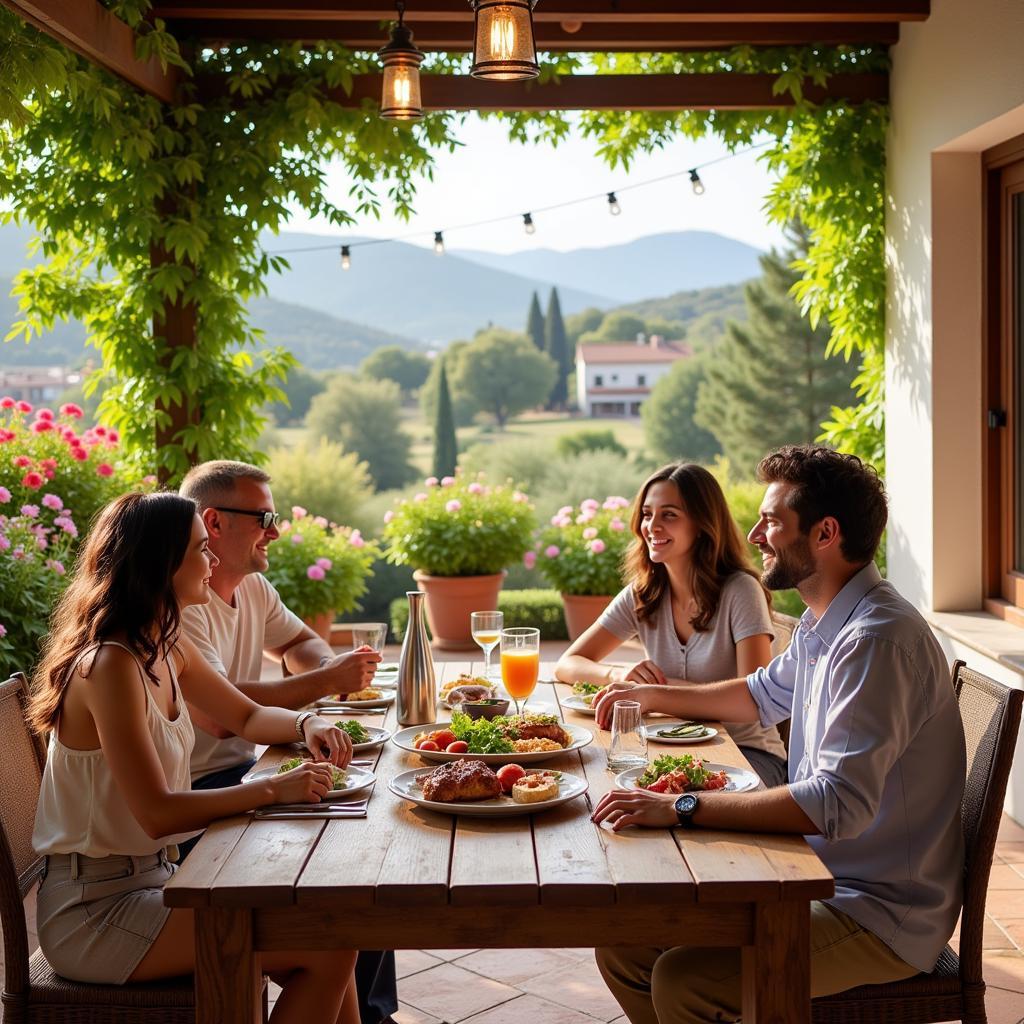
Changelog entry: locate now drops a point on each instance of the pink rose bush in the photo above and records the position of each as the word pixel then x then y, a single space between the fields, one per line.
pixel 581 549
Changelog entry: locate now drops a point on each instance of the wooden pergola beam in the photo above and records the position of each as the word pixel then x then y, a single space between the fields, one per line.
pixel 713 91
pixel 91 30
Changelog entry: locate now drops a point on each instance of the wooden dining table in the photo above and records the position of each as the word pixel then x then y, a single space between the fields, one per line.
pixel 405 877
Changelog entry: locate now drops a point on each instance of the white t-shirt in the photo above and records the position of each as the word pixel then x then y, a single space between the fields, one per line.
pixel 232 639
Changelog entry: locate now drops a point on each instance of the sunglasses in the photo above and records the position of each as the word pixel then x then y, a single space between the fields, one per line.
pixel 267 519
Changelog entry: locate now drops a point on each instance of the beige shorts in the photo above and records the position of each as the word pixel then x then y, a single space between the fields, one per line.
pixel 98 916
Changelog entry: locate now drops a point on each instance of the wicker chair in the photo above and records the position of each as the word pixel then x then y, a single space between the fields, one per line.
pixel 955 989
pixel 32 992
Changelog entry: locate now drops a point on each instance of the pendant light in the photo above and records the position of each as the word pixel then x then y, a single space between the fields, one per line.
pixel 504 49
pixel 400 97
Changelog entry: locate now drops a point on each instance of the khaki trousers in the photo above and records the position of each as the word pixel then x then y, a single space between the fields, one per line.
pixel 692 985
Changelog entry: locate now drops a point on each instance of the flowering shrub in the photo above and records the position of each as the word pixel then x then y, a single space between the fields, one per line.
pixel 581 551
pixel 53 479
pixel 317 566
pixel 460 527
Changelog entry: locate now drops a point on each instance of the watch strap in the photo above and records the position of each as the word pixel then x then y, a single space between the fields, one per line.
pixel 300 721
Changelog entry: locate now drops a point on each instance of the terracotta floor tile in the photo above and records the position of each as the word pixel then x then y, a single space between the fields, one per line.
pixel 514 966
pixel 1003 1007
pixel 994 936
pixel 1005 903
pixel 1005 970
pixel 448 954
pixel 452 994
pixel 1006 876
pixel 532 1009
pixel 583 989
pixel 410 1015
pixel 1009 831
pixel 583 953
pixel 412 961
pixel 1014 927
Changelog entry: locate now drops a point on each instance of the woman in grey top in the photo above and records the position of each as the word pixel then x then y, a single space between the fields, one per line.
pixel 694 600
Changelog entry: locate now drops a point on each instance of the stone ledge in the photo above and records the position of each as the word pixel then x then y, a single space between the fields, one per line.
pixel 985 633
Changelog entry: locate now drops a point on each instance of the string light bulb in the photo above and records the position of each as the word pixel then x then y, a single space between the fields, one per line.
pixel 504 48
pixel 698 185
pixel 439 243
pixel 613 205
pixel 528 226
pixel 400 94
pixel 346 258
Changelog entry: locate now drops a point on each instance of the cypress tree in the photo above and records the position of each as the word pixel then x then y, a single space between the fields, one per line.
pixel 535 323
pixel 557 346
pixel 769 381
pixel 446 449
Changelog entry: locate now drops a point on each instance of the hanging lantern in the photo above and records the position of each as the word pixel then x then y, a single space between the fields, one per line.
pixel 503 45
pixel 400 97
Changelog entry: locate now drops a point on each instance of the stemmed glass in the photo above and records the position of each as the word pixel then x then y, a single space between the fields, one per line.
pixel 520 661
pixel 486 627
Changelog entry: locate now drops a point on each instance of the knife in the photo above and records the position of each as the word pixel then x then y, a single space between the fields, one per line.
pixel 300 815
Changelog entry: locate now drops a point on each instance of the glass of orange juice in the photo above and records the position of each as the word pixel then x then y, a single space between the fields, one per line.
pixel 520 661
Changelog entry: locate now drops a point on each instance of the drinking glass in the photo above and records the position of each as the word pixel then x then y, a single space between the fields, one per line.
pixel 628 748
pixel 370 634
pixel 520 662
pixel 486 627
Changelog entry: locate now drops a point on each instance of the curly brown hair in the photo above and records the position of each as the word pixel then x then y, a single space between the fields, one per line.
pixel 718 552
pixel 830 483
pixel 122 585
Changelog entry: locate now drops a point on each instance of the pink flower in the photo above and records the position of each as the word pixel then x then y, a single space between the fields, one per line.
pixel 7 435
pixel 67 525
pixel 52 501
pixel 590 533
pixel 33 481
pixel 5 495
pixel 388 516
pixel 325 563
pixel 18 553
pixel 296 538
pixel 617 525
pixel 561 521
pixel 298 512
pixel 5 542
pixel 518 497
pixel 105 469
pixel 597 546
pixel 530 559
pixel 44 414
pixel 551 551
pixel 31 511
pixel 3 630
pixel 447 481
pixel 6 402
pixel 314 572
pixel 23 407
pixel 113 437
pixel 420 496
pixel 100 431
pixel 589 503
pixel 21 461
pixel 41 426
pixel 584 517
pixel 149 480
pixel 452 506
pixel 431 481
pixel 356 540
pixel 72 410
pixel 79 454
pixel 475 488
pixel 320 521
pixel 57 567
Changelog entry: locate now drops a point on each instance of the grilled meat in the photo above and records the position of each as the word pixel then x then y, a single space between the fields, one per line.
pixel 460 781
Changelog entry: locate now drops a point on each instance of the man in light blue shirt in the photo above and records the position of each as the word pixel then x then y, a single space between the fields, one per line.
pixel 876 756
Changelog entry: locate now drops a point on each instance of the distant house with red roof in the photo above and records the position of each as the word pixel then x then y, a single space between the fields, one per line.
pixel 615 379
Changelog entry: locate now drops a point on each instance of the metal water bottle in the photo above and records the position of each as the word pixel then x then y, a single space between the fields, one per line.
pixel 417 694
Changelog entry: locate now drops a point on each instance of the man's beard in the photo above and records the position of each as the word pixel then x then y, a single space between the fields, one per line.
pixel 792 565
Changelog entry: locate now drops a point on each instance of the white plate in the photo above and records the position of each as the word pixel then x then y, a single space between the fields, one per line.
pixel 380 702
pixel 407 787
pixel 740 779
pixel 358 779
pixel 654 728
pixel 574 702
pixel 580 738
pixel 387 667
pixel 378 737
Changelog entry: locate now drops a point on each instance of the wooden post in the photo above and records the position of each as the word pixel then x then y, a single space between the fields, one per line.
pixel 777 968
pixel 227 977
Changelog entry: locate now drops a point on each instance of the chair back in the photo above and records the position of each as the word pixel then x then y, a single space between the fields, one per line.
pixel 24 757
pixel 785 625
pixel 991 714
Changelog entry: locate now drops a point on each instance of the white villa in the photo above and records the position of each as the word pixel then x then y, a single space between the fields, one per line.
pixel 614 379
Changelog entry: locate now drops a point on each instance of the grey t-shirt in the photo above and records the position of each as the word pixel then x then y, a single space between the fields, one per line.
pixel 709 656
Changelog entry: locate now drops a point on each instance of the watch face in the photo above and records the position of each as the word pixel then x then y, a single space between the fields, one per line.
pixel 686 804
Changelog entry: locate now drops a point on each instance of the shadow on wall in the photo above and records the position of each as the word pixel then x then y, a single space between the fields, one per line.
pixel 902 569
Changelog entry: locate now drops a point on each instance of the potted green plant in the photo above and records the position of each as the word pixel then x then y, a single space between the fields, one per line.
pixel 458 534
pixel 319 568
pixel 580 553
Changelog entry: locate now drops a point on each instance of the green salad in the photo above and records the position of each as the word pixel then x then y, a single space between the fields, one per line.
pixel 339 777
pixel 694 768
pixel 586 689
pixel 356 731
pixel 481 735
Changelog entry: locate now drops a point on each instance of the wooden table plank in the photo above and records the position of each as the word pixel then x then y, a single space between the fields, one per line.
pixel 493 863
pixel 190 885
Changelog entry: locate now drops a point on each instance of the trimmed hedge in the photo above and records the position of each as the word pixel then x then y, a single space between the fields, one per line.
pixel 540 608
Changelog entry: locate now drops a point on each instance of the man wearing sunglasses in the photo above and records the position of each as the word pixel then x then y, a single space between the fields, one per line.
pixel 245 619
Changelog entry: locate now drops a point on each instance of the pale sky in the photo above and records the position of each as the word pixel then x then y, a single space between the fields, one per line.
pixel 490 177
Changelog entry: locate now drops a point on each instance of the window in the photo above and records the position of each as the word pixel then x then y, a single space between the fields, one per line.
pixel 598 381
pixel 615 378
pixel 641 380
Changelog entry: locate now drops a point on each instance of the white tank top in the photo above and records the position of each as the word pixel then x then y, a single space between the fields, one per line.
pixel 81 808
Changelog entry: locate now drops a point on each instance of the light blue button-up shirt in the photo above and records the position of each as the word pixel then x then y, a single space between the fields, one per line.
pixel 877 761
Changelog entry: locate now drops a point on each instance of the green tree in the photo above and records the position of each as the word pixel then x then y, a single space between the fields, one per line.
pixel 363 416
pixel 668 415
pixel 556 344
pixel 464 406
pixel 569 445
pixel 618 326
pixel 300 388
pixel 535 323
pixel 577 324
pixel 770 381
pixel 446 447
pixel 505 373
pixel 409 370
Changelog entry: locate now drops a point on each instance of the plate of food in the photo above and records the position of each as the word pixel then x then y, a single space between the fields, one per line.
pixel 346 780
pixel 462 688
pixel 364 737
pixel 582 698
pixel 687 774
pixel 474 788
pixel 526 738
pixel 371 697
pixel 680 732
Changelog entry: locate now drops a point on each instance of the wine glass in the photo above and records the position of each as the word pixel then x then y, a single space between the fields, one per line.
pixel 486 627
pixel 520 662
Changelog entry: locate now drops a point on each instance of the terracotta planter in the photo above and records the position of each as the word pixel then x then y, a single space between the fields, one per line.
pixel 582 611
pixel 451 599
pixel 321 624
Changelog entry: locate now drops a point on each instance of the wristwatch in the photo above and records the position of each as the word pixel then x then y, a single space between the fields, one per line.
pixel 300 721
pixel 686 807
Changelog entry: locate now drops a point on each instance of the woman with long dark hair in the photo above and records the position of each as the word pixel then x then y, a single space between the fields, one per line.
pixel 694 600
pixel 111 690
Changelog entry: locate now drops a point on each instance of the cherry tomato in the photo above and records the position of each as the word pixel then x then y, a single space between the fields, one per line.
pixel 509 775
pixel 442 737
pixel 458 747
pixel 428 745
